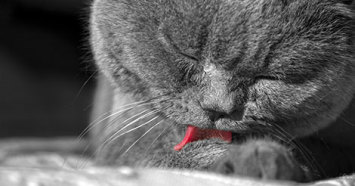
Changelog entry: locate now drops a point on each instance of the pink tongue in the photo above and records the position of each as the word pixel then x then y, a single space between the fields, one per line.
pixel 193 134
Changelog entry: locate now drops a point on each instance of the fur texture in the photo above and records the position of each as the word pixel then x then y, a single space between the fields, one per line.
pixel 283 69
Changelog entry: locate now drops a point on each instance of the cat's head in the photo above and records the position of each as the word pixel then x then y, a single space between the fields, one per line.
pixel 223 63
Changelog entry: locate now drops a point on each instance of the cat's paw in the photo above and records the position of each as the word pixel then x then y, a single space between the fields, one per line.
pixel 262 159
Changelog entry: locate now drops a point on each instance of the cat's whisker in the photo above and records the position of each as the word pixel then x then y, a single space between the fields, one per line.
pixel 116 114
pixel 134 116
pixel 133 129
pixel 91 126
pixel 114 120
pixel 84 84
pixel 311 160
pixel 116 117
pixel 151 113
pixel 305 152
pixel 334 117
pixel 282 138
pixel 156 139
pixel 331 116
pixel 270 129
pixel 119 112
pixel 151 128
pixel 83 163
pixel 346 121
pixel 131 106
pixel 115 136
pixel 291 139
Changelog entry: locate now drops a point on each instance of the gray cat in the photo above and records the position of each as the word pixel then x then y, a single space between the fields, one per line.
pixel 273 78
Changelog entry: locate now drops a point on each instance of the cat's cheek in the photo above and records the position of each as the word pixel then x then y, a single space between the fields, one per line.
pixel 256 111
pixel 258 104
pixel 297 108
pixel 187 116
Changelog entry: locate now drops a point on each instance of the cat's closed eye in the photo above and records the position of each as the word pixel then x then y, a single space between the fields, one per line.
pixel 267 77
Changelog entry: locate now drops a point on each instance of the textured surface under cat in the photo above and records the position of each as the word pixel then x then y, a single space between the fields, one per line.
pixel 56 169
pixel 128 177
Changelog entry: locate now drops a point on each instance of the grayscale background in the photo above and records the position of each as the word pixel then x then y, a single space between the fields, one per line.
pixel 44 63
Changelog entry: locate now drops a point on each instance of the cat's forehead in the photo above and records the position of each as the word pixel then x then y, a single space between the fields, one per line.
pixel 223 30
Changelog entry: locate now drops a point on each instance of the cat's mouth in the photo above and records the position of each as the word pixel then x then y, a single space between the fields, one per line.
pixel 226 133
pixel 194 134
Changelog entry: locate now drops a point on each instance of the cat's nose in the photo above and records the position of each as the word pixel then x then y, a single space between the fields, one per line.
pixel 217 98
pixel 218 111
pixel 215 115
pixel 218 102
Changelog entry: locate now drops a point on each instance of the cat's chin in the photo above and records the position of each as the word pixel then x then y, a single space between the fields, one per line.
pixel 234 126
pixel 243 129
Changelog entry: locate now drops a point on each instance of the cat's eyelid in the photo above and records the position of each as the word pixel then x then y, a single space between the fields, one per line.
pixel 170 46
pixel 272 77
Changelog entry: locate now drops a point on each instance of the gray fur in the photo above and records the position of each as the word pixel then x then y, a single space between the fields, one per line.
pixel 223 64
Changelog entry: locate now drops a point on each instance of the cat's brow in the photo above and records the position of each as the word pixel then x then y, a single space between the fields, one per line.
pixel 169 45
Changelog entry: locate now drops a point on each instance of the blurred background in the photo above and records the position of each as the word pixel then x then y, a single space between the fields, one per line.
pixel 46 70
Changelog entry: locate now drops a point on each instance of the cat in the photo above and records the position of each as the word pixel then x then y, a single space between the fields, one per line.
pixel 277 75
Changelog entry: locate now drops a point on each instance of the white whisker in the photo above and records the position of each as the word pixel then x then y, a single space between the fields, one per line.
pixel 84 84
pixel 114 120
pixel 118 113
pixel 151 128
pixel 305 152
pixel 115 136
pixel 157 138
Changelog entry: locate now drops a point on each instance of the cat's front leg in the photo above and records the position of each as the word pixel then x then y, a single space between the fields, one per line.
pixel 261 158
